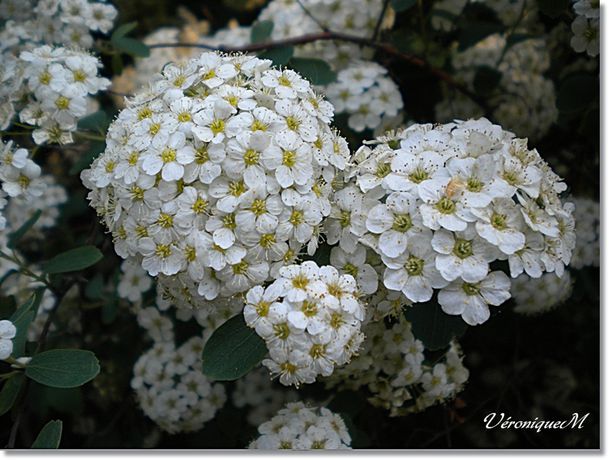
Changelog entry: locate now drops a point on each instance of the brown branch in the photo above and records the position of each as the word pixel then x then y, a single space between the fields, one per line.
pixel 386 48
pixel 379 22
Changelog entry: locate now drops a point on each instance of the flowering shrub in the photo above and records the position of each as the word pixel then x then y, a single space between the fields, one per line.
pixel 298 224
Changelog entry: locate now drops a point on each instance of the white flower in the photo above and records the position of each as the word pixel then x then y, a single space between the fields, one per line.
pixel 471 300
pixel 355 265
pixel 586 35
pixel 414 272
pixel 7 333
pixel 396 221
pixel 501 224
pixel 462 255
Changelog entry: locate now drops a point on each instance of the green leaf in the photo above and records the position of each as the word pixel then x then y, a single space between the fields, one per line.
pixel 63 368
pixel 432 326
pixel 14 237
pixel 318 72
pixel 475 31
pixel 22 318
pixel 117 64
pixel 9 392
pixel 94 289
pixel 123 30
pixel 50 436
pixel 486 80
pixel 73 260
pixel 516 38
pixel 577 92
pixel 261 31
pixel 553 8
pixel 402 5
pixel 97 121
pixel 132 46
pixel 279 56
pixel 232 350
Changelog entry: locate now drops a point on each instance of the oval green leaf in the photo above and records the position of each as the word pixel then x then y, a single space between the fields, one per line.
pixel 9 392
pixel 316 71
pixel 63 368
pixel 232 351
pixel 73 260
pixel 50 436
pixel 14 237
pixel 261 31
pixel 279 56
pixel 22 318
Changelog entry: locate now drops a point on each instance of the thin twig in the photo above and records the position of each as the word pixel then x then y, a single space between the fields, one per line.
pixel 379 22
pixel 41 341
pixel 308 13
pixel 117 93
pixel 321 36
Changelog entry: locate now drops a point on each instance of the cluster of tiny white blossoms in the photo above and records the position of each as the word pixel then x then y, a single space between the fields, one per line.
pixel 310 318
pixel 260 396
pixel 298 427
pixel 19 176
pixel 440 203
pixel 133 282
pixel 586 27
pixel 8 331
pixel 54 22
pixel 587 228
pixel 534 296
pixel 217 175
pixel 392 367
pixel 172 390
pixel 365 92
pixel 59 83
pixel 524 100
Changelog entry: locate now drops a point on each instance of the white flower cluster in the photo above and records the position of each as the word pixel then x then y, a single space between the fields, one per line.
pixel 354 17
pixel 19 176
pixel 586 27
pixel 298 427
pixel 534 296
pixel 587 228
pixel 524 100
pixel 20 208
pixel 158 326
pixel 59 82
pixel 310 319
pixel 61 22
pixel 440 203
pixel 217 175
pixel 171 388
pixel 133 282
pixel 7 334
pixel 261 396
pixel 365 92
pixel 392 367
